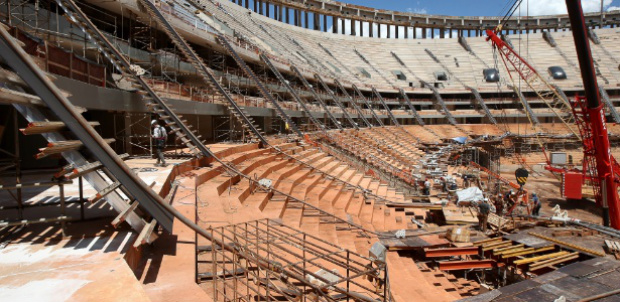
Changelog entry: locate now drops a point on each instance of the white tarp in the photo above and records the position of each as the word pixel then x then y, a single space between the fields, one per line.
pixel 471 194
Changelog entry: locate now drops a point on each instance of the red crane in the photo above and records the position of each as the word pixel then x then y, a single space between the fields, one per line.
pixel 584 112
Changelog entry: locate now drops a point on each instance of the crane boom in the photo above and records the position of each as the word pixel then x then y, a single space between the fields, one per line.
pixel 548 93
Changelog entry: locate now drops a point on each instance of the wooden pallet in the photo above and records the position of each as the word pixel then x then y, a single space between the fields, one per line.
pixel 613 247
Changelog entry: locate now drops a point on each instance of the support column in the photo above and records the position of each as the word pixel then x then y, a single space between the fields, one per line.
pixel 247 4
pixel 281 15
pixel 397 29
pixel 450 32
pixel 255 6
pixel 370 29
pixel 306 20
pixel 261 8
pixel 317 21
pixel 406 32
pixel 287 15
pixel 361 31
pixel 415 34
pixel 325 23
pixel 334 24
pixel 424 30
pixel 389 31
pixel 432 33
pixel 379 30
pixel 343 26
pixel 352 27
pixel 267 10
pixel 296 16
pixel 442 33
pixel 128 134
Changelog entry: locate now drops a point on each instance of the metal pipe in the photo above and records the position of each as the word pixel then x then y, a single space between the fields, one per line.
pixel 600 296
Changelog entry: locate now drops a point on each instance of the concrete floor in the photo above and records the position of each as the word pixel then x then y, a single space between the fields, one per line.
pixel 87 265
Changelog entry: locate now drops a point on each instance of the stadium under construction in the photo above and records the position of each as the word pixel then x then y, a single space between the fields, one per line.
pixel 306 150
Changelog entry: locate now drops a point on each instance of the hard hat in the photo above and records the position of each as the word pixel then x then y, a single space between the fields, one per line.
pixel 153 122
pixel 533 194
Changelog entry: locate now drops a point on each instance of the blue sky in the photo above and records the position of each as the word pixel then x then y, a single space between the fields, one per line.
pixel 480 7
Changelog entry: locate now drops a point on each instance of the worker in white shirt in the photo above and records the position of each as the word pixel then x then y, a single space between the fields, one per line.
pixel 427 186
pixel 159 141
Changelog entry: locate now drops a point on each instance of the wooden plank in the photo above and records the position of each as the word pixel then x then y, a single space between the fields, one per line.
pixel 541 257
pixel 485 241
pixel 553 261
pixel 529 251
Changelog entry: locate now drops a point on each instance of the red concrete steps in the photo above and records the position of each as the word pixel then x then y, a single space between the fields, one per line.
pixel 401 271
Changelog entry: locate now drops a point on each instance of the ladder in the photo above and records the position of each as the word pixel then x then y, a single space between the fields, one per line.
pixel 205 73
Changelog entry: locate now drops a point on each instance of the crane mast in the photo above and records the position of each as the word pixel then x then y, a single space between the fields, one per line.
pixel 584 116
pixel 594 118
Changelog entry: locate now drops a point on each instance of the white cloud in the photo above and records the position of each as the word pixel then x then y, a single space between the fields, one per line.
pixel 613 8
pixel 555 7
pixel 417 10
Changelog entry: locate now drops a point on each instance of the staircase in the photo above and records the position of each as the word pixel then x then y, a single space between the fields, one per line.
pixel 261 88
pixel 609 104
pixel 410 105
pixel 119 175
pixel 316 97
pixel 368 105
pixel 483 105
pixel 441 103
pixel 155 104
pixel 292 91
pixel 389 112
pixel 353 103
pixel 336 100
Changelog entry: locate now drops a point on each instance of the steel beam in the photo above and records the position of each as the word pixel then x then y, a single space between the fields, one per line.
pixel 466 265
pixel 451 251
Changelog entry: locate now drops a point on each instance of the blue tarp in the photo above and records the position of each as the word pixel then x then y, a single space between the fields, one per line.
pixel 460 139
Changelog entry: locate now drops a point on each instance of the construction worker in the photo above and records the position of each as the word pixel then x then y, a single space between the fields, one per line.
pixel 427 187
pixel 465 181
pixel 537 205
pixel 159 140
pixel 510 198
pixel 483 215
pixel 499 204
